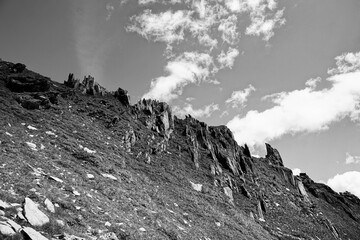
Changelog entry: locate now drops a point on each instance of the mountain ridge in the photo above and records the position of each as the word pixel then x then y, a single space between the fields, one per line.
pixel 119 171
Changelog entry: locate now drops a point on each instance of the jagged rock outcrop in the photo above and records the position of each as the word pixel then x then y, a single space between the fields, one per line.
pixel 93 154
pixel 273 155
pixel 87 86
pixel 123 96
pixel 156 116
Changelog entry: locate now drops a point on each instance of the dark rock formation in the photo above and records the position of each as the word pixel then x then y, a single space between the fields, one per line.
pixel 123 96
pixel 18 68
pixel 156 116
pixel 87 86
pixel 26 83
pixel 273 155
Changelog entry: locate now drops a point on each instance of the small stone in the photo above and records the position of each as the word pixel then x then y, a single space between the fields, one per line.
pixel 34 216
pixel 196 187
pixel 56 179
pixel 76 193
pixel 50 133
pixel 109 176
pixel 49 205
pixel 89 151
pixel 107 224
pixel 32 128
pixel 32 146
pixel 60 222
pixel 142 229
pixel 218 224
pixel 33 234
pixel 90 176
pixel 9 134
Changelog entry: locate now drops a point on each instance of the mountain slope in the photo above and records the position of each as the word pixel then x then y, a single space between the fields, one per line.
pixel 141 173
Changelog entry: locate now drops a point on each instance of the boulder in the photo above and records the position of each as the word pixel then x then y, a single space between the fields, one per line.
pixel 32 234
pixel 123 96
pixel 33 215
pixel 6 229
pixel 18 68
pixel 228 192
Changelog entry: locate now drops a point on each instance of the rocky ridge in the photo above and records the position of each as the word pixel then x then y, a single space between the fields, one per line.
pixel 89 165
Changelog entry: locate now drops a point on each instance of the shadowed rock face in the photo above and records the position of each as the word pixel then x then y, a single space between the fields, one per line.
pixel 116 170
pixel 273 155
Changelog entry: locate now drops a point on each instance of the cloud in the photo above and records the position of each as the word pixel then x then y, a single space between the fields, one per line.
pixel 352 159
pixel 348 181
pixel 165 27
pixel 109 8
pixel 212 27
pixel 224 113
pixel 206 111
pixel 228 28
pixel 239 98
pixel 312 82
pixel 227 59
pixel 347 62
pixel 296 171
pixel 304 110
pixel 191 67
pixel 262 25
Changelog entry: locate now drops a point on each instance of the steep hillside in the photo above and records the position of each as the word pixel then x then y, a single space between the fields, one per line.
pixel 99 168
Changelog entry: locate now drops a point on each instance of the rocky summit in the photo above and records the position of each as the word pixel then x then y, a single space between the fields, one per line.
pixel 78 162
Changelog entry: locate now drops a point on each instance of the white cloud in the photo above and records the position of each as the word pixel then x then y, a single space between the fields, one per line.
pixel 304 110
pixel 109 8
pixel 352 159
pixel 224 113
pixel 262 25
pixel 347 62
pixel 228 27
pixel 208 26
pixel 296 171
pixel 348 181
pixel 165 27
pixel 312 82
pixel 191 67
pixel 239 98
pixel 206 111
pixel 227 59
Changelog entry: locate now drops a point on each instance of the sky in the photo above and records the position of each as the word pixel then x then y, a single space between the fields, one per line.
pixel 286 72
